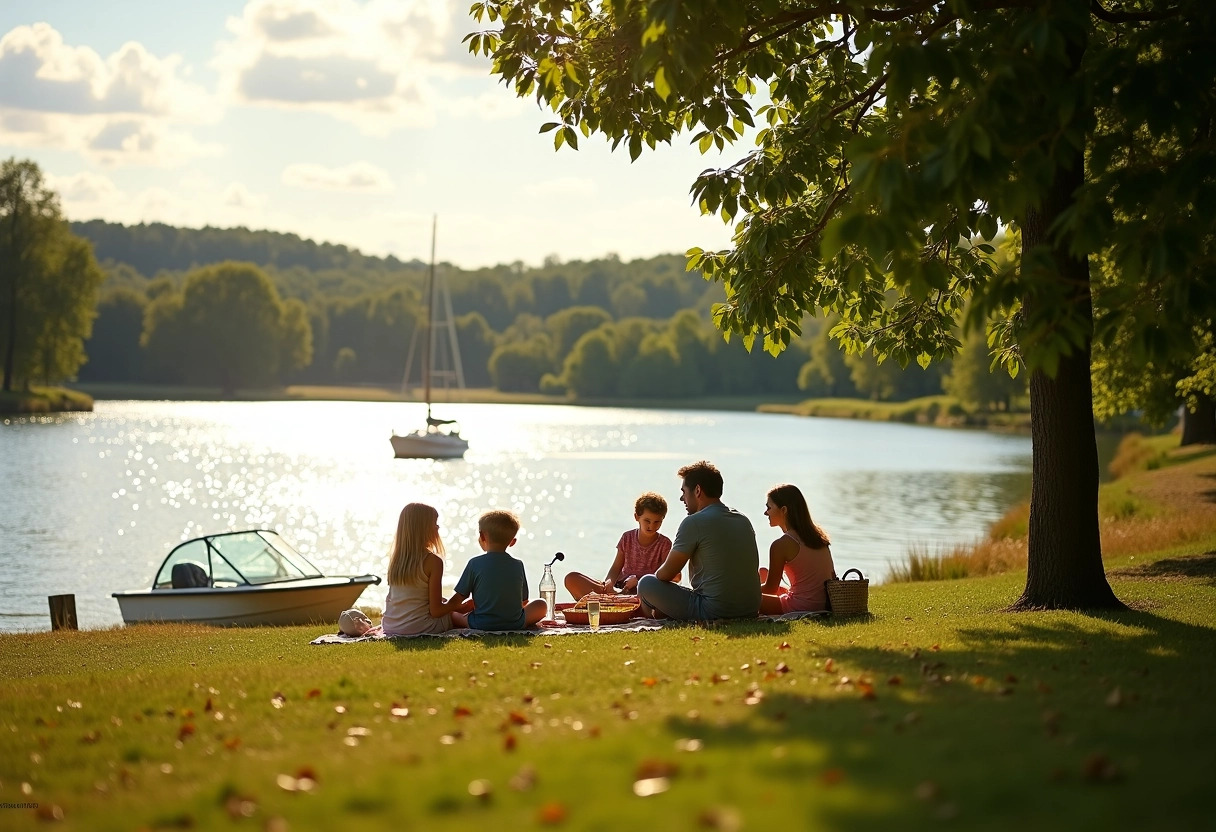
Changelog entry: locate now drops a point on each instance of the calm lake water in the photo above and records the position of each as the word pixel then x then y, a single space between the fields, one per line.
pixel 93 502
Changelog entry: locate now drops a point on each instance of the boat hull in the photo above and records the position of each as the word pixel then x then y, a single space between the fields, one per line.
pixel 428 446
pixel 297 602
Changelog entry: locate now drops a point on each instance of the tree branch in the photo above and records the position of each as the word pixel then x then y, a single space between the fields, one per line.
pixel 1109 16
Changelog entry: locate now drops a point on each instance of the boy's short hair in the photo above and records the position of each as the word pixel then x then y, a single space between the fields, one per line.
pixel 704 474
pixel 651 502
pixel 499 527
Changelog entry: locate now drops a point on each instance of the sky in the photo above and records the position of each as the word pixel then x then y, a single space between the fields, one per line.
pixel 344 121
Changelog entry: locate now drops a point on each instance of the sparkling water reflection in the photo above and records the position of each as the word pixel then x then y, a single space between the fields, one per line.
pixel 93 502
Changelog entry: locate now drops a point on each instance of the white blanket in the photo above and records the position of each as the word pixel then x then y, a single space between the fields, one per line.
pixel 636 625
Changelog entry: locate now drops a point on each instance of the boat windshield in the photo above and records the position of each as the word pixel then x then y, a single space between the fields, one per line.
pixel 263 557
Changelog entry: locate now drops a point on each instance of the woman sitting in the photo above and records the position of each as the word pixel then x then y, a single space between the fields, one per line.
pixel 802 554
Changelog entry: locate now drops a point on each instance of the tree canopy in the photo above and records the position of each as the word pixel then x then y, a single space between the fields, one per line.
pixel 48 281
pixel 890 137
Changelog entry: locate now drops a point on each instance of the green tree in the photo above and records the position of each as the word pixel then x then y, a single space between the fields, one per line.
pixel 517 366
pixel 569 325
pixel 113 348
pixel 48 281
pixel 893 134
pixel 227 328
pixel 973 380
pixel 592 368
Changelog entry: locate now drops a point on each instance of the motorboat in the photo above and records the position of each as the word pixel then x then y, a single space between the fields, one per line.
pixel 243 578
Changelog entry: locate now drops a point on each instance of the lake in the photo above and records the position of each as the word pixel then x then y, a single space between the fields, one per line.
pixel 93 502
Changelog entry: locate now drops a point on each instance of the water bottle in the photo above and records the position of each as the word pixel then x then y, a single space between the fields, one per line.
pixel 548 590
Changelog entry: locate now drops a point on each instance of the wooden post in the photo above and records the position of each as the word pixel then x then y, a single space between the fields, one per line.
pixel 63 612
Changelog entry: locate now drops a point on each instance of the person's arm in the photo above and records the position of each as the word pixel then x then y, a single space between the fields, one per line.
pixel 783 550
pixel 433 567
pixel 614 571
pixel 672 566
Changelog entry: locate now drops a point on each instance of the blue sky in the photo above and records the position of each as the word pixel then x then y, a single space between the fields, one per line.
pixel 349 121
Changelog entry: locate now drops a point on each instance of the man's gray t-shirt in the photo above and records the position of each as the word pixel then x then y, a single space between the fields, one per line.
pixel 723 561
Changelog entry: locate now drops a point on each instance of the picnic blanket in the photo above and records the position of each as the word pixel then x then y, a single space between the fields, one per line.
pixel 636 625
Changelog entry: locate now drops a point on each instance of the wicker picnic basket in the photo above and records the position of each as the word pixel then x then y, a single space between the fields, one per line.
pixel 847 597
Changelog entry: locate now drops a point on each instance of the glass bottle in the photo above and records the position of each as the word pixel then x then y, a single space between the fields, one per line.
pixel 548 591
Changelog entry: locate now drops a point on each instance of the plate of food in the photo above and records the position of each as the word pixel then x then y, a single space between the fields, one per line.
pixel 614 609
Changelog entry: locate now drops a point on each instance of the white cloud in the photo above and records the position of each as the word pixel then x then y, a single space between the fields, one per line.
pixel 83 187
pixel 129 107
pixel 194 201
pixel 358 176
pixel 375 64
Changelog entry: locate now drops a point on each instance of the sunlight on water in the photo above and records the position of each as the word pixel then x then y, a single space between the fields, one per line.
pixel 95 501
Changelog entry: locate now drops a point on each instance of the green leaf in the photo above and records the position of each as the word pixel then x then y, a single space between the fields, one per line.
pixel 661 85
pixel 552 125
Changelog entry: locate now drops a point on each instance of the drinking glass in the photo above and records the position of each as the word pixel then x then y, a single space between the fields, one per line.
pixel 593 614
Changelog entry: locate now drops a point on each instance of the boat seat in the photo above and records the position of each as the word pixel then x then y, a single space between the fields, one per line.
pixel 189 575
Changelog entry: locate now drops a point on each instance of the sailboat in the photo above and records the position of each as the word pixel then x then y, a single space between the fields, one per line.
pixel 440 438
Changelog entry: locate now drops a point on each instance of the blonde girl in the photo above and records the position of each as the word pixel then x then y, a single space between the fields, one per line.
pixel 415 578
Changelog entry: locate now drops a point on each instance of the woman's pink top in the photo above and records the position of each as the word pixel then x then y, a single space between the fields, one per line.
pixel 806 573
pixel 642 560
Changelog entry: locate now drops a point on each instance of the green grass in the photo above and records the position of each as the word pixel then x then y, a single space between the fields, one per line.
pixel 940 707
pixel 941 410
pixel 363 393
pixel 44 400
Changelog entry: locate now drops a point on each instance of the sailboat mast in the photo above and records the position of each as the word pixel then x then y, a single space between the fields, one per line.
pixel 430 315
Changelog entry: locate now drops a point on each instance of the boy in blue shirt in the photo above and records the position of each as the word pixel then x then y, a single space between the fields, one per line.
pixel 496 580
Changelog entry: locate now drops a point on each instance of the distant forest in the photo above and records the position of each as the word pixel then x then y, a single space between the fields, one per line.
pixel 601 328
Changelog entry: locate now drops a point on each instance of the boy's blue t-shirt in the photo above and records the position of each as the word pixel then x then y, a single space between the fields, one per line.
pixel 499 588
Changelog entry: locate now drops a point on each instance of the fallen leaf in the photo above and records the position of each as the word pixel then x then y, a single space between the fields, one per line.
pixel 785 645
pixel 653 767
pixel 717 678
pixel 724 819
pixel 461 711
pixel 239 806
pixel 90 738
pixel 829 666
pixel 314 693
pixel 339 709
pixel 1098 768
pixel 688 745
pixel 651 786
pixel 517 718
pixel 278 700
pixel 650 681
pixel 782 667
pixel 187 730
pixel 232 743
pixel 523 780
pixel 867 690
pixel 208 706
pixel 895 680
pixel 551 813
pixel 399 711
pixel 509 742
pixel 1115 698
pixel 770 676
pixel 48 811
pixel 481 790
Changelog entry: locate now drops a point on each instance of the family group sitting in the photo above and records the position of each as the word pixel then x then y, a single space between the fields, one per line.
pixel 715 543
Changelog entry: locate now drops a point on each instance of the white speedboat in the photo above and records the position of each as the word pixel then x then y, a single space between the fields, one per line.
pixel 249 578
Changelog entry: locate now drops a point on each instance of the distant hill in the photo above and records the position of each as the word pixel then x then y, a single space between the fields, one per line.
pixel 151 248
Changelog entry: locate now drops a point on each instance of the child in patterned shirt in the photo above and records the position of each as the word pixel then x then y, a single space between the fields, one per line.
pixel 639 552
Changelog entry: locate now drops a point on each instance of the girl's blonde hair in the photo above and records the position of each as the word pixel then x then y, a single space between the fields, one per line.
pixel 417 534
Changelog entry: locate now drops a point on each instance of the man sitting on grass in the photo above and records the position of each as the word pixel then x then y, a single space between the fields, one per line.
pixel 719 546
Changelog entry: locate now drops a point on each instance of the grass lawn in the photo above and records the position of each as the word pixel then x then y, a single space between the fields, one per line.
pixel 365 393
pixel 941 708
pixel 44 400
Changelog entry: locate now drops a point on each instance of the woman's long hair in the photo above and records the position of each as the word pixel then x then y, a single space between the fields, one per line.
pixel 798 515
pixel 417 535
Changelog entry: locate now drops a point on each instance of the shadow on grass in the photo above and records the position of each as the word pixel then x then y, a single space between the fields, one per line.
pixel 1174 569
pixel 1039 721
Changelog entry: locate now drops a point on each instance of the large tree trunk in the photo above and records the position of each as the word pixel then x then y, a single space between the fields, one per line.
pixel 1199 427
pixel 1064 564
